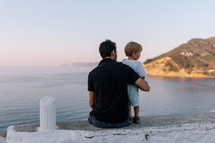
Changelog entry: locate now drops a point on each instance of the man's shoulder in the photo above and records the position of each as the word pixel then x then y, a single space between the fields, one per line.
pixel 93 70
pixel 123 65
pixel 120 63
pixel 114 65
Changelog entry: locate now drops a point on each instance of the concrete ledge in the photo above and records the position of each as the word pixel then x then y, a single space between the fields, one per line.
pixel 149 121
pixel 169 128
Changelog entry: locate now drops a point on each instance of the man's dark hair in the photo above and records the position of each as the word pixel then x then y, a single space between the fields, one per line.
pixel 106 48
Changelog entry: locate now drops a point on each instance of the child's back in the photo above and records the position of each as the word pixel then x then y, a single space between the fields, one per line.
pixel 136 66
pixel 133 90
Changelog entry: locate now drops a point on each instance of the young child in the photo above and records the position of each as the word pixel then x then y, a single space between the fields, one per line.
pixel 132 51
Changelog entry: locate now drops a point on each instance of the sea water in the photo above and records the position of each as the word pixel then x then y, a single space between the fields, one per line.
pixel 21 89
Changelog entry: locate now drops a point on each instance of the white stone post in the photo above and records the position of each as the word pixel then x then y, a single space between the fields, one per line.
pixel 47 113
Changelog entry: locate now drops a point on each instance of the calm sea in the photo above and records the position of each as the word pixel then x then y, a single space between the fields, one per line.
pixel 22 87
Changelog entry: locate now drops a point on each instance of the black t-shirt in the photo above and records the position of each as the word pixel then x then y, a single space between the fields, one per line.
pixel 109 82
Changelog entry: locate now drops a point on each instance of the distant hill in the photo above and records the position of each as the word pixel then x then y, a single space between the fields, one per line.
pixel 196 58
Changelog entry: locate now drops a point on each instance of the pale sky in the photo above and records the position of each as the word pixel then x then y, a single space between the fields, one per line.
pixel 52 33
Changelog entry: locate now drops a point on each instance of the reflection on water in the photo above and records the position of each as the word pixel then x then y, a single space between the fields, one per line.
pixel 22 88
pixel 178 95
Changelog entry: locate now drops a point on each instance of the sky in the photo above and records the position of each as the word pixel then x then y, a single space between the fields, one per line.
pixel 53 33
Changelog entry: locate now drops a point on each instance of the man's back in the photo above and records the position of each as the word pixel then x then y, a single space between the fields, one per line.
pixel 109 82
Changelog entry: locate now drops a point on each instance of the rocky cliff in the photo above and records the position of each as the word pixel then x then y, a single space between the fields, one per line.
pixel 196 58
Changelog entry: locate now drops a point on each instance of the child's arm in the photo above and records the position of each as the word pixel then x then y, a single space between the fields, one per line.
pixel 141 71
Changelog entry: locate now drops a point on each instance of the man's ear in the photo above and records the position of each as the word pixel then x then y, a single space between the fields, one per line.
pixel 113 53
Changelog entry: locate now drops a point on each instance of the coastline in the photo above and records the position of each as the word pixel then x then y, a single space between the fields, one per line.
pixel 175 76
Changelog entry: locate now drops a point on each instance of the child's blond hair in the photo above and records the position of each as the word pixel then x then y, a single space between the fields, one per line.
pixel 132 47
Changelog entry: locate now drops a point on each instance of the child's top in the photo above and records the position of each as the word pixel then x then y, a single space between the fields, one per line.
pixel 133 90
pixel 137 66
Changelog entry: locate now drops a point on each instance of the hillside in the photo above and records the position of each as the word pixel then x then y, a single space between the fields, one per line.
pixel 196 58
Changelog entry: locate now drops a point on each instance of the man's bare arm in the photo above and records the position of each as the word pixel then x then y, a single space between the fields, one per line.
pixel 142 84
pixel 92 101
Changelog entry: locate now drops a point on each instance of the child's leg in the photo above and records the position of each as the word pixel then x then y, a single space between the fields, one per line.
pixel 136 115
pixel 129 108
pixel 130 115
pixel 136 111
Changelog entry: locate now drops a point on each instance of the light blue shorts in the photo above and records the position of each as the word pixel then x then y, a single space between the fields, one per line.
pixel 133 95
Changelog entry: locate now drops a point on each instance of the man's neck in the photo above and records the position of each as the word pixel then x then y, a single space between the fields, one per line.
pixel 108 58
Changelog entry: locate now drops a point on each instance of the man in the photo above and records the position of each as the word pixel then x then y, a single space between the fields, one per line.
pixel 107 86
